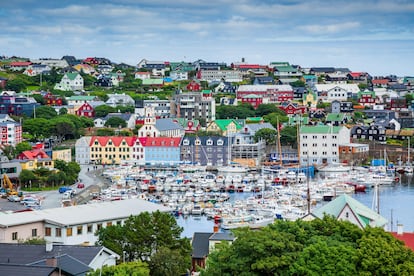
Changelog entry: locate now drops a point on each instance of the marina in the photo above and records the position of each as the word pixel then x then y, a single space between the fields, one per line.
pixel 202 200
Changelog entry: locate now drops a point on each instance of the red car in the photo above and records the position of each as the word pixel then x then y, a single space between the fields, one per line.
pixel 80 186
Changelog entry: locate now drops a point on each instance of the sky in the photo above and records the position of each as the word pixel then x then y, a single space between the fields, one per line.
pixel 370 36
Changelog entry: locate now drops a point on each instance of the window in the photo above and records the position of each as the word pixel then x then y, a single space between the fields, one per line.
pixel 118 222
pixel 89 228
pixel 69 232
pixel 219 142
pixel 34 232
pixel 48 231
pixel 79 230
pixel 58 232
pixel 99 226
pixel 14 236
pixel 109 223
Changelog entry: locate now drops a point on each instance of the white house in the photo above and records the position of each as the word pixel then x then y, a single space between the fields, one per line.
pixel 320 144
pixel 70 82
pixel 119 99
pixel 179 75
pixel 332 91
pixel 82 150
pixel 149 129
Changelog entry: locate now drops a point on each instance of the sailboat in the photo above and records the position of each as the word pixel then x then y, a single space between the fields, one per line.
pixel 408 169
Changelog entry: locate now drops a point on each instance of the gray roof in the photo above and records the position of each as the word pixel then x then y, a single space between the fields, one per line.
pixel 256 127
pixel 68 264
pixel 24 270
pixel 80 214
pixel 123 116
pixel 228 236
pixel 29 254
pixel 167 124
pixel 200 244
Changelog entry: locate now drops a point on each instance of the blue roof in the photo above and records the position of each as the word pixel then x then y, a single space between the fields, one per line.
pixel 167 124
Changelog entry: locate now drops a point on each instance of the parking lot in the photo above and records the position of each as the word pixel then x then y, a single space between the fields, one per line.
pixel 52 199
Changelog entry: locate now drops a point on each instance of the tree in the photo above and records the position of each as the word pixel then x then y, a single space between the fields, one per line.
pixel 115 122
pixel 265 109
pixel 38 127
pixel 318 247
pixel 267 134
pixel 105 132
pixel 289 135
pixel 137 268
pixel 39 98
pixel 63 111
pixel 46 112
pixel 26 177
pixel 103 110
pixel 16 85
pixel 142 236
pixel 21 147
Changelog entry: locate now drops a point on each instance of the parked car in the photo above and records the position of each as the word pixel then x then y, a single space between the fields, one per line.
pixel 80 186
pixel 30 201
pixel 64 189
pixel 14 198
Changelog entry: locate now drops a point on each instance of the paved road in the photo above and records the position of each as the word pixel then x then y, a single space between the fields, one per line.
pixel 51 199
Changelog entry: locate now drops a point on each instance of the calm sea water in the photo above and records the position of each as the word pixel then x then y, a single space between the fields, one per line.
pixel 396 205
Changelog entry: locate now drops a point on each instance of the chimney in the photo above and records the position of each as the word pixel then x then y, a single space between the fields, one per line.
pixel 400 229
pixel 49 246
pixel 51 262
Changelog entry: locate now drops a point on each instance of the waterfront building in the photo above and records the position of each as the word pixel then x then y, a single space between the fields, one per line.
pixel 34 159
pixel 320 144
pixel 83 150
pixel 205 150
pixel 73 225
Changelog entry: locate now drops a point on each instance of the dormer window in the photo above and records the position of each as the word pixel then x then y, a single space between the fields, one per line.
pixel 209 142
pixel 198 142
pixel 220 142
pixel 186 142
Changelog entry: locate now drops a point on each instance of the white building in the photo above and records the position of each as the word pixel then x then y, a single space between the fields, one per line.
pixel 320 144
pixel 119 99
pixel 218 75
pixel 71 225
pixel 149 129
pixel 82 150
pixel 332 91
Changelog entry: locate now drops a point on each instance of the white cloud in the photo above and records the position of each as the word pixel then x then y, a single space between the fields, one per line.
pixel 331 28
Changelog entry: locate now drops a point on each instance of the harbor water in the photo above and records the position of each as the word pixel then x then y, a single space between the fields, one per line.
pixel 395 204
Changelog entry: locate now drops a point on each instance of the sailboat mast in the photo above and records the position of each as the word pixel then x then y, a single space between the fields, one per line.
pixel 279 145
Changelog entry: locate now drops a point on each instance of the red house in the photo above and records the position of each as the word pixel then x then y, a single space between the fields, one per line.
pixel 292 108
pixel 51 99
pixel 254 100
pixel 272 93
pixel 398 103
pixel 91 61
pixel 193 86
pixel 85 110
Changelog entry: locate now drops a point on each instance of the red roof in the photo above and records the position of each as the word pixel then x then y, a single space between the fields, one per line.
pixel 33 154
pixel 249 66
pixel 407 238
pixel 143 73
pixel 380 81
pixel 116 140
pixel 356 74
pixel 160 141
pixel 20 63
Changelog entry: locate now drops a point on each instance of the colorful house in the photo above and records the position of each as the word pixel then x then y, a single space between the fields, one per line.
pixel 252 99
pixel 86 110
pixel 292 108
pixel 63 154
pixel 225 127
pixel 366 98
pixel 111 149
pixel 161 150
pixel 51 99
pixel 194 86
pixel 34 159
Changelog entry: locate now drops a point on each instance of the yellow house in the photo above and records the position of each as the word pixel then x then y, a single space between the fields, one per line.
pixel 64 155
pixel 224 127
pixel 34 159
pixel 111 149
pixel 310 99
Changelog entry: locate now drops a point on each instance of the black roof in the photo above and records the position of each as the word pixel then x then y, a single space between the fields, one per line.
pixel 24 270
pixel 323 69
pixel 12 253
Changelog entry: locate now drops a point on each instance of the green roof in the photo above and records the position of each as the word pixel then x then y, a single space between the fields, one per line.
pixel 223 123
pixel 366 92
pixel 206 91
pixel 254 119
pixel 321 129
pixel 152 81
pixel 309 77
pixel 335 117
pixel 81 98
pixel 285 68
pixel 365 215
pixel 252 96
pixel 72 76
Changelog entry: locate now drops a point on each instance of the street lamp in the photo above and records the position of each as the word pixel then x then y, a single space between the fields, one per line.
pixel 112 256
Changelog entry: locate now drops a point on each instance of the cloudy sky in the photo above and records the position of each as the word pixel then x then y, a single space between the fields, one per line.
pixel 369 35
